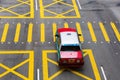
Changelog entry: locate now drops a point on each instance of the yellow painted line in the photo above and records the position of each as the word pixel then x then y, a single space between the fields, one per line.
pixel 6 72
pixel 13 69
pixel 79 30
pixel 15 52
pixel 54 62
pixel 10 11
pixel 66 12
pixel 54 27
pixel 79 74
pixel 56 74
pixel 31 66
pixel 42 29
pixel 32 8
pixel 20 64
pixel 17 66
pixel 94 66
pixel 21 17
pixel 92 32
pixel 51 12
pixel 52 3
pixel 44 65
pixel 104 32
pixel 117 33
pixel 85 54
pixel 66 4
pixel 41 8
pixel 66 25
pixel 30 29
pixel 71 17
pixel 26 14
pixel 23 2
pixel 4 35
pixel 17 33
pixel 76 9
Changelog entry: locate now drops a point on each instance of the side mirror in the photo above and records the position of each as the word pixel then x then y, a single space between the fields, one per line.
pixel 57 35
pixel 79 35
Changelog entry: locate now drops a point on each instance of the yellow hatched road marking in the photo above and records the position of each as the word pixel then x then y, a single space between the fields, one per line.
pixel 117 33
pixel 42 30
pixel 45 66
pixel 73 7
pixel 54 27
pixel 79 30
pixel 104 32
pixel 14 6
pixel 92 32
pixel 4 35
pixel 17 33
pixel 66 25
pixel 13 69
pixel 18 15
pixel 30 29
pixel 9 11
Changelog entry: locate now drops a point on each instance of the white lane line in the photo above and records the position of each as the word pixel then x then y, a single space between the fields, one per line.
pixel 103 72
pixel 36 5
pixel 38 74
pixel 79 4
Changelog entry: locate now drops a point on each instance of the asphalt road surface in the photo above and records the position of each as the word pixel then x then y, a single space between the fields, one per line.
pixel 27 29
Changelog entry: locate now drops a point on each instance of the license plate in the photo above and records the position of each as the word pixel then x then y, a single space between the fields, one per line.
pixel 71 60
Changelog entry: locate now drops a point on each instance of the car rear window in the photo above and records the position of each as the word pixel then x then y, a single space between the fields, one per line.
pixel 70 48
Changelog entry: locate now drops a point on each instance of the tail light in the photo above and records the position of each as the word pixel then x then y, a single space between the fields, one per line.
pixel 78 61
pixel 63 61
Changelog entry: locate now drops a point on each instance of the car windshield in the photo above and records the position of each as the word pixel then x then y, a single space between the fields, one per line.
pixel 70 48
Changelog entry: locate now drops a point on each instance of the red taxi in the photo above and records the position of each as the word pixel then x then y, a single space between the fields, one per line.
pixel 68 48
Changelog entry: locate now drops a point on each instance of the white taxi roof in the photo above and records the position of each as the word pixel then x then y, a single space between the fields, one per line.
pixel 69 38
